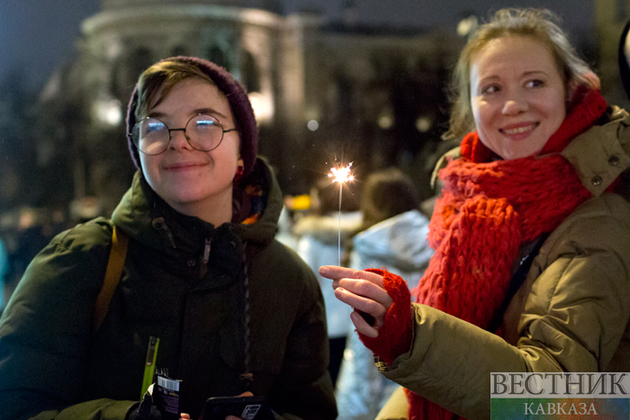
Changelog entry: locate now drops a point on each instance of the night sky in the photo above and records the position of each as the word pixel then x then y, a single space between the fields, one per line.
pixel 38 35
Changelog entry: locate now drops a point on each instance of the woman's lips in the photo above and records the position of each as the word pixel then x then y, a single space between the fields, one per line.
pixel 183 166
pixel 518 131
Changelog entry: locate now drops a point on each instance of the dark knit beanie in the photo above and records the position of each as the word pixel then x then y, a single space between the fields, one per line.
pixel 239 104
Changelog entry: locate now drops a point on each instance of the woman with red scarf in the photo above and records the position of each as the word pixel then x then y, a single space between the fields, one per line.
pixel 531 271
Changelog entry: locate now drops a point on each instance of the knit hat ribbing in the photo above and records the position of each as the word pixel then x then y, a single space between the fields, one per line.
pixel 239 104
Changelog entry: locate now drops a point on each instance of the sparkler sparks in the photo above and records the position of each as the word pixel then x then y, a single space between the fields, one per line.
pixel 341 174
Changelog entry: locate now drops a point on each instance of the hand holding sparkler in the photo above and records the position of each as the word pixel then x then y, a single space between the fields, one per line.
pixel 341 175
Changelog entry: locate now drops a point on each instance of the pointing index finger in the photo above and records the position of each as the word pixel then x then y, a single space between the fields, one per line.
pixel 334 272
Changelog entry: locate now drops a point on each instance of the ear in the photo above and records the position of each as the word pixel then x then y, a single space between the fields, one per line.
pixel 240 171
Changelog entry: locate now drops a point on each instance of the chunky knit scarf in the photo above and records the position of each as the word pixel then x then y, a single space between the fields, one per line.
pixel 487 211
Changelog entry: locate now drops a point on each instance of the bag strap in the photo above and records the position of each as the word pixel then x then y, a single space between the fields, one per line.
pixel 517 280
pixel 113 272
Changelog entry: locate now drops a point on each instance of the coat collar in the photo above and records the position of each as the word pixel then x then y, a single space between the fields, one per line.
pixel 602 153
pixel 144 216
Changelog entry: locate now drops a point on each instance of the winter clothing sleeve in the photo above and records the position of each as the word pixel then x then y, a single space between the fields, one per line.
pixel 394 337
pixel 145 409
pixel 572 312
pixel 46 327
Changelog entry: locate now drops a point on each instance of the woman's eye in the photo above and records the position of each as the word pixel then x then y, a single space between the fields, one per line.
pixel 535 83
pixel 490 89
pixel 154 126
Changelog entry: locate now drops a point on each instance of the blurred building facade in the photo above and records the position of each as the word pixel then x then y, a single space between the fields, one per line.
pixel 321 90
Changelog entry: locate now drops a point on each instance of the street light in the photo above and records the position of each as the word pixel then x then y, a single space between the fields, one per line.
pixel 108 112
pixel 467 25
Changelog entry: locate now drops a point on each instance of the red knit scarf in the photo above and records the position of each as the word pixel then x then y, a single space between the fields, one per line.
pixel 487 210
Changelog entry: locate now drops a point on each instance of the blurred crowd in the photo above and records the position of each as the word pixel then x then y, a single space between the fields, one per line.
pixel 25 231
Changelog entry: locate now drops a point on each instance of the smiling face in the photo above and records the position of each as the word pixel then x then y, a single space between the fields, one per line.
pixel 517 96
pixel 193 182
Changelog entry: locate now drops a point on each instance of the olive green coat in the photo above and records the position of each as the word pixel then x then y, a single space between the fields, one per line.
pixel 52 363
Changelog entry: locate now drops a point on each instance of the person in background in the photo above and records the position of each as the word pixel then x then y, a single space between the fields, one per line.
pixel 293 208
pixel 393 235
pixel 318 244
pixel 531 233
pixel 235 312
pixel 284 233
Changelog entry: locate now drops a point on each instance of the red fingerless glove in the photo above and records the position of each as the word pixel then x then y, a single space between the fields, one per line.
pixel 394 336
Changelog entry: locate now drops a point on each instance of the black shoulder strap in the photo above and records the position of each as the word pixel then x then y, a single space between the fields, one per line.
pixel 516 282
pixel 113 272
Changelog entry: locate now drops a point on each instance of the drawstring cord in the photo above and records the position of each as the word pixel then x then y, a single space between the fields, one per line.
pixel 246 376
pixel 206 250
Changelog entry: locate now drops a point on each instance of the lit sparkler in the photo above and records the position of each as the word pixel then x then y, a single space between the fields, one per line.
pixel 340 175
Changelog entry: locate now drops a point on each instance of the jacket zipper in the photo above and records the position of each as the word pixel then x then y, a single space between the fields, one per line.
pixel 206 251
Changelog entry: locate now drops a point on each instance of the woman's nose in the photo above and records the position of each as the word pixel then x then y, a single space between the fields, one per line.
pixel 178 139
pixel 514 106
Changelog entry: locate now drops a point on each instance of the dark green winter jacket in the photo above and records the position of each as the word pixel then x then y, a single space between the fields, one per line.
pixel 53 365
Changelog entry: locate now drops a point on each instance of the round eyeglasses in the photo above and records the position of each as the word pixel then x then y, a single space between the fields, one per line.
pixel 203 132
